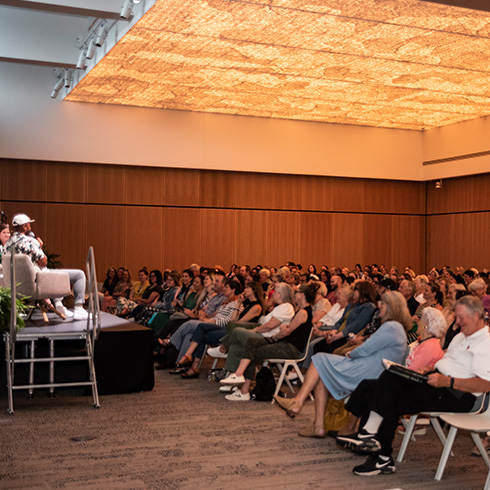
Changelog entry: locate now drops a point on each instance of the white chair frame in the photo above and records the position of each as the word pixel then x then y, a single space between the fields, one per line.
pixel 52 334
pixel 284 364
pixel 476 423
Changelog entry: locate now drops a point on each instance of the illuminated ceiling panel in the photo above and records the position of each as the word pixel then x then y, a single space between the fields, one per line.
pixel 388 63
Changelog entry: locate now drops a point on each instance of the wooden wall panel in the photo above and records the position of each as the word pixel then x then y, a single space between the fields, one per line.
pixel 2 179
pixel 218 237
pixel 315 239
pixel 441 235
pixel 181 237
pixel 145 185
pixel 316 193
pixel 182 187
pixel 66 226
pixel 216 189
pixel 34 210
pixel 285 244
pixel 347 194
pixel 456 195
pixel 106 231
pixel 106 184
pixel 376 239
pixel 388 196
pixel 252 237
pixel 25 180
pixel 66 182
pixel 144 238
pixel 347 240
pixel 408 243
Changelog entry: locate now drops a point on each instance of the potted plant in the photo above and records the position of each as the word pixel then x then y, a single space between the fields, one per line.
pixel 5 305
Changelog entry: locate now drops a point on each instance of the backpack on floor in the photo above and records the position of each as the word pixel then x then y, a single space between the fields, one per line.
pixel 265 385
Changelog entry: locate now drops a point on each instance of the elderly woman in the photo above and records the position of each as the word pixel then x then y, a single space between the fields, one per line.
pixel 4 237
pixel 337 376
pixel 287 343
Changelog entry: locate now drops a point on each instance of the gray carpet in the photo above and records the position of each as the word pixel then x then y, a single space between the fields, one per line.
pixel 184 435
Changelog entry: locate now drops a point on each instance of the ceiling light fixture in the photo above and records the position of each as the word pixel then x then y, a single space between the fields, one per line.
pixel 57 88
pixel 91 49
pixel 82 60
pixel 102 34
pixel 128 8
pixel 439 184
pixel 67 77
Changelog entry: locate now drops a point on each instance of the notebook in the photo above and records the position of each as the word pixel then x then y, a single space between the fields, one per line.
pixel 403 371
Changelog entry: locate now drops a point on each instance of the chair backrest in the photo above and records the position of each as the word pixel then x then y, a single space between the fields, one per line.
pixel 305 351
pixel 25 274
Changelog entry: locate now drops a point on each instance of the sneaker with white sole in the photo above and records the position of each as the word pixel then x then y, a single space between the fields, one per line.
pixel 80 314
pixel 238 396
pixel 363 441
pixel 375 465
pixel 292 375
pixel 215 352
pixel 233 379
pixel 64 311
pixel 227 389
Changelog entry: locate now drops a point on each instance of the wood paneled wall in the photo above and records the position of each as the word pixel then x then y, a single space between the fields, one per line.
pixel 165 217
pixel 458 222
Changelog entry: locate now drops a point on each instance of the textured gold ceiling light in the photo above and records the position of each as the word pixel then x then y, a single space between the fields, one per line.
pixel 387 63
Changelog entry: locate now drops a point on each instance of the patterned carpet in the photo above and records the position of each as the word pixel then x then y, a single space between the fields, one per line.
pixel 184 435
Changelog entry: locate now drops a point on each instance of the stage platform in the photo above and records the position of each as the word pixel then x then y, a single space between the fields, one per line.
pixel 123 353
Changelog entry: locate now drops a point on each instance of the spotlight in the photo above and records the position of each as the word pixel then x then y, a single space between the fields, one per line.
pixel 102 34
pixel 128 8
pixel 57 88
pixel 67 78
pixel 439 184
pixel 91 49
pixel 82 62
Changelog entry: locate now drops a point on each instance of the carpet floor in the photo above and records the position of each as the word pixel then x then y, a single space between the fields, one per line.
pixel 185 435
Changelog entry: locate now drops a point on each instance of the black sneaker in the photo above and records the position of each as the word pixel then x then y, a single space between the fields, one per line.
pixel 361 442
pixel 375 465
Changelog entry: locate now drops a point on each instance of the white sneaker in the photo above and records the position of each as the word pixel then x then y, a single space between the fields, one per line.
pixel 292 375
pixel 215 352
pixel 227 389
pixel 233 379
pixel 238 396
pixel 80 314
pixel 64 311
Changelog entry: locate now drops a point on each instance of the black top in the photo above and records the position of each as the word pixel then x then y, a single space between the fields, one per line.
pixel 299 336
pixel 247 308
pixel 450 334
pixel 108 286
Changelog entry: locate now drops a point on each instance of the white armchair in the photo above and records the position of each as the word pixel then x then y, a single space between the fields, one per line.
pixel 38 286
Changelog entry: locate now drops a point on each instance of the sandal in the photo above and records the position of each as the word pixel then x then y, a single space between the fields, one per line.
pixel 194 373
pixel 185 360
pixel 164 342
pixel 287 404
pixel 312 431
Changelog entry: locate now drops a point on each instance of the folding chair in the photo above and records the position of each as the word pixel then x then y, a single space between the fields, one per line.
pixel 475 423
pixel 434 420
pixel 284 364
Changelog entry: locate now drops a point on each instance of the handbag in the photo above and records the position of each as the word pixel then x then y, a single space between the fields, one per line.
pixel 336 416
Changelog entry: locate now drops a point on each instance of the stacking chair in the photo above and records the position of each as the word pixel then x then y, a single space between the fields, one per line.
pixel 37 286
pixel 284 364
pixel 475 423
pixel 66 331
pixel 434 420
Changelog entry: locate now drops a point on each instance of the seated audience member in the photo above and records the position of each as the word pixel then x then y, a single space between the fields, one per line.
pixel 186 283
pixel 320 306
pixel 462 373
pixel 135 294
pixel 326 279
pixel 109 284
pixel 125 306
pixel 121 290
pixel 264 278
pixel 181 339
pixel 287 343
pixel 336 281
pixel 234 342
pixel 432 297
pixel 4 238
pixel 212 330
pixel 420 282
pixel 164 303
pixel 478 288
pixel 24 242
pixel 355 318
pixel 407 289
pixel 338 376
pixel 311 269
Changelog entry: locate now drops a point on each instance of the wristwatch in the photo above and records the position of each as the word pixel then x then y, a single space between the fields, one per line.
pixel 451 382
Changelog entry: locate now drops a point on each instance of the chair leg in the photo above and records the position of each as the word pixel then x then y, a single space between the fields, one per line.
pixel 31 368
pixel 10 373
pixel 445 453
pixel 406 438
pixel 282 370
pixel 51 308
pixel 478 443
pixel 301 378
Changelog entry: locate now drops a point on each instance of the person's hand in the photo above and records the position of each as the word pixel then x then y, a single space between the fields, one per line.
pixel 40 241
pixel 438 380
pixel 284 330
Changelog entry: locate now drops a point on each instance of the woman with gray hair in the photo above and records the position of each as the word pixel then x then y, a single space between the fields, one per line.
pixel 427 350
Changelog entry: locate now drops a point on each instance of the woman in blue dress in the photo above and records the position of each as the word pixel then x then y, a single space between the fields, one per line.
pixel 336 376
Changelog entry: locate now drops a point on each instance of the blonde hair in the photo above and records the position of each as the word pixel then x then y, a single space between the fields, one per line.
pixel 396 309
